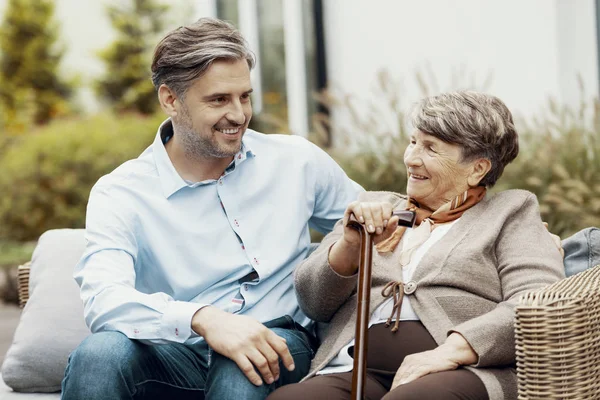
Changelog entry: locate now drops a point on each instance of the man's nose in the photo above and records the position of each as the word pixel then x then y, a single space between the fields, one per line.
pixel 236 113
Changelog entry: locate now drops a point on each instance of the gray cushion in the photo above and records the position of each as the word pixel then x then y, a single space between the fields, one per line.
pixel 52 324
pixel 582 251
pixel 7 393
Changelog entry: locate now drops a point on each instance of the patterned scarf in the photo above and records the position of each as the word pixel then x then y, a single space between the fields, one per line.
pixel 425 223
pixel 427 220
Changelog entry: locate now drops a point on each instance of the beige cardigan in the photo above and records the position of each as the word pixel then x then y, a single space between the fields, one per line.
pixel 469 282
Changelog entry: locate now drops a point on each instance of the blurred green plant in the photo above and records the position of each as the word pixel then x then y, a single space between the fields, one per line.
pixel 127 84
pixel 559 161
pixel 15 253
pixel 47 175
pixel 32 92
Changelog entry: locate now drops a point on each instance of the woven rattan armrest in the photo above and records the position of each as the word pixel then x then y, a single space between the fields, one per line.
pixel 23 283
pixel 557 332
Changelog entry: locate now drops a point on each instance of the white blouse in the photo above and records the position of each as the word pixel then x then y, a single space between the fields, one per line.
pixel 343 362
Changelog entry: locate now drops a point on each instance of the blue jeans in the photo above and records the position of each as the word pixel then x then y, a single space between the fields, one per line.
pixel 110 366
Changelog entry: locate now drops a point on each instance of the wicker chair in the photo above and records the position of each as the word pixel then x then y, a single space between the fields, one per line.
pixel 557 333
pixel 23 283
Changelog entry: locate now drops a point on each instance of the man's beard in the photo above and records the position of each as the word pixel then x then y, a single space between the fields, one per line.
pixel 198 147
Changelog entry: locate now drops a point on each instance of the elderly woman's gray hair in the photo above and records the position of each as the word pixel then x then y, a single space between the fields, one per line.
pixel 479 123
pixel 185 53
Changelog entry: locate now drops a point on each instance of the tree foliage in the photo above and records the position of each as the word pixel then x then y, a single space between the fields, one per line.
pixel 32 90
pixel 126 85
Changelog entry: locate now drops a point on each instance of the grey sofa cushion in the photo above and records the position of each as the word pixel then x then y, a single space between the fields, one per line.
pixel 52 323
pixel 582 250
pixel 7 393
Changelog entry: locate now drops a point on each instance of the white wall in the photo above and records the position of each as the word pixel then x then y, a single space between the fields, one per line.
pixel 532 48
pixel 577 48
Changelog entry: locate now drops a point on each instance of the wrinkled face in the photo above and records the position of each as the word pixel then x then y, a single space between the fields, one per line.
pixel 436 173
pixel 216 110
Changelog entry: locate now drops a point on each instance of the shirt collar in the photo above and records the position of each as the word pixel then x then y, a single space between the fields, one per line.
pixel 170 180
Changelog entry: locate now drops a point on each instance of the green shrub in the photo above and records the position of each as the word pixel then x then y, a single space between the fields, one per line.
pixel 559 161
pixel 15 253
pixel 47 175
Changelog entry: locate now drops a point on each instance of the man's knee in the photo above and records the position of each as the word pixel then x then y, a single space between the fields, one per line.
pixel 297 341
pixel 224 367
pixel 104 349
pixel 301 349
pixel 226 380
pixel 101 361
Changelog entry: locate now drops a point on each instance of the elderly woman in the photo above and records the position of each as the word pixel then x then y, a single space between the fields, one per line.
pixel 443 293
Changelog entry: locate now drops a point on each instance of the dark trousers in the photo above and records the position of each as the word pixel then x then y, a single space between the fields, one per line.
pixel 386 350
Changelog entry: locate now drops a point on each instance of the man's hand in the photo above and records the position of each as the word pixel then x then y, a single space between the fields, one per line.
pixel 455 352
pixel 245 341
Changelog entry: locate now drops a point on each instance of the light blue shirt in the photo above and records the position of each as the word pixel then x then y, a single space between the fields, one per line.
pixel 160 248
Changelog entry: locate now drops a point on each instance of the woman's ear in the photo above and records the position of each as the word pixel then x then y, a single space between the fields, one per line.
pixel 480 169
pixel 167 99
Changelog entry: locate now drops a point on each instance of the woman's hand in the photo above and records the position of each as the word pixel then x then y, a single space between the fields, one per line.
pixel 455 352
pixel 378 219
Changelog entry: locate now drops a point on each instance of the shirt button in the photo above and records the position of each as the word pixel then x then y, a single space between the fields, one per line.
pixel 410 287
pixel 246 288
pixel 221 182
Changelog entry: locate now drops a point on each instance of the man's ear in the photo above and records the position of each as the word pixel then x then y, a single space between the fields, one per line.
pixel 168 100
pixel 481 167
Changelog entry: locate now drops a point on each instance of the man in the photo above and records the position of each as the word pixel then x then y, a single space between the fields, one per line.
pixel 187 273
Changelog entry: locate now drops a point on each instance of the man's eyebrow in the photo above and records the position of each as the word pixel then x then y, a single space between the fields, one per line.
pixel 215 95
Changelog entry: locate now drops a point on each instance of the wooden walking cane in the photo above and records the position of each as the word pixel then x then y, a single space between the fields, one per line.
pixel 406 218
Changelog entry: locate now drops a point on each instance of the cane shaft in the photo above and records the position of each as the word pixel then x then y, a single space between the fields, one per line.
pixel 359 372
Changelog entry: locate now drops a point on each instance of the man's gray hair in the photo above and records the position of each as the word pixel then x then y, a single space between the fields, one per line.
pixel 479 123
pixel 185 53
